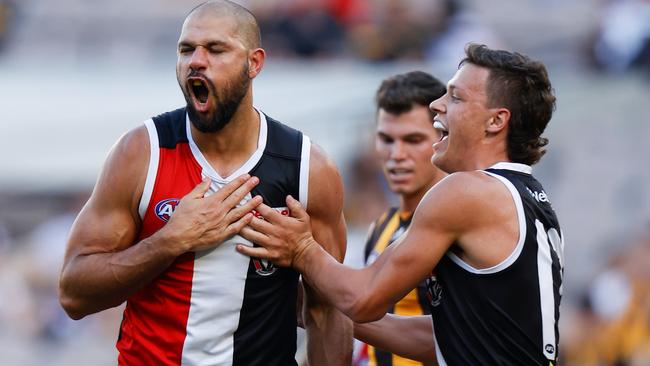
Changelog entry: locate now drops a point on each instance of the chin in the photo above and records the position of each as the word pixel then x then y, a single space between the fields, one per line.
pixel 401 189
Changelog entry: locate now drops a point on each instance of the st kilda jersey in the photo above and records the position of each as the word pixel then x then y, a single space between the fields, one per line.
pixel 215 307
pixel 507 314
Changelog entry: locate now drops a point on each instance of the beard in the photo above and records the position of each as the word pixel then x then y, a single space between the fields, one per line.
pixel 227 102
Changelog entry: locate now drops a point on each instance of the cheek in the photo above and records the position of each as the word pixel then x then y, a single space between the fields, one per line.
pixel 382 150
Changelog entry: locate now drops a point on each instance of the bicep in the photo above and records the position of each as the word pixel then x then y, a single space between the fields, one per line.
pixel 413 256
pixel 325 206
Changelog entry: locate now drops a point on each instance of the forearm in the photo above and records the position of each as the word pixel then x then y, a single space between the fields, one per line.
pixel 93 282
pixel 329 335
pixel 406 336
pixel 347 289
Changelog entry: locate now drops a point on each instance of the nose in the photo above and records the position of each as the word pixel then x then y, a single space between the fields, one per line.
pixel 199 59
pixel 397 151
pixel 437 106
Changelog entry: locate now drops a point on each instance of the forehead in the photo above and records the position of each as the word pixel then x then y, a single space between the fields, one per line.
pixel 206 26
pixel 470 79
pixel 416 121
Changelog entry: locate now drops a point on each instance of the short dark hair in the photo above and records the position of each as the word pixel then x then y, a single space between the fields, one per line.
pixel 521 85
pixel 400 93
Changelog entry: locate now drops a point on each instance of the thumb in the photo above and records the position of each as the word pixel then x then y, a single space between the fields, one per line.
pixel 296 209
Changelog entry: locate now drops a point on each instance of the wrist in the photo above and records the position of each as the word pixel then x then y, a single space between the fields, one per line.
pixel 301 255
pixel 171 245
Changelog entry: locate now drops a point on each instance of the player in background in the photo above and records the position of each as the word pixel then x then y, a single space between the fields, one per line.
pixel 404 144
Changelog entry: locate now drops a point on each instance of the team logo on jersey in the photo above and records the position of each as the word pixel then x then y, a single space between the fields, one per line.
pixel 434 290
pixel 165 208
pixel 262 266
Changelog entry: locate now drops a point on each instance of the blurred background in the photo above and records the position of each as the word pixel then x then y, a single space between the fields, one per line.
pixel 76 74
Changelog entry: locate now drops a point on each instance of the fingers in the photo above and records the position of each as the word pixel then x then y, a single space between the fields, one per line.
pixel 240 211
pixel 237 195
pixel 200 189
pixel 231 187
pixel 252 235
pixel 262 226
pixel 238 225
pixel 269 213
pixel 296 209
pixel 256 252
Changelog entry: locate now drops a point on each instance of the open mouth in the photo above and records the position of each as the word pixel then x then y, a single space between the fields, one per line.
pixel 399 171
pixel 200 90
pixel 443 130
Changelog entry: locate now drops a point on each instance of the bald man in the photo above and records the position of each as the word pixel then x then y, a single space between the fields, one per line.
pixel 160 228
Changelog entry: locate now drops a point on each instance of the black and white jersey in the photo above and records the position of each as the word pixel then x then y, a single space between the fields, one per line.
pixel 507 314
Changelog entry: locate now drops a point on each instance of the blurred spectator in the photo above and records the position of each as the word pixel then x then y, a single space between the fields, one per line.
pixel 44 250
pixel 613 325
pixel 398 29
pixel 455 27
pixel 302 28
pixel 6 17
pixel 16 303
pixel 623 40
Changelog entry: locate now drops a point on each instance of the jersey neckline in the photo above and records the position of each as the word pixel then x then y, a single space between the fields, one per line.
pixel 518 167
pixel 209 171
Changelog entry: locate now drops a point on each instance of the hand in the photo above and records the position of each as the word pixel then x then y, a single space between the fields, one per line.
pixel 200 223
pixel 282 238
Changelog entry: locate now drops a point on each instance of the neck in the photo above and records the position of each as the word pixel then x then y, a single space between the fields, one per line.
pixel 229 148
pixel 486 156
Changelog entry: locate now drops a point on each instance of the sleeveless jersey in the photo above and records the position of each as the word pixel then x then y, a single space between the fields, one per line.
pixel 215 307
pixel 386 229
pixel 507 314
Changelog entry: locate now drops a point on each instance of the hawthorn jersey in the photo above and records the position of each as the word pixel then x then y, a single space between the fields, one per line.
pixel 507 314
pixel 215 307
pixel 385 230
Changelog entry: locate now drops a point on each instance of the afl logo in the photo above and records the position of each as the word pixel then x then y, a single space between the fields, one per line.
pixel 165 208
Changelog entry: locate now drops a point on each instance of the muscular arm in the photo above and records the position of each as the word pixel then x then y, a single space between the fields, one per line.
pixel 329 332
pixel 440 220
pixel 103 265
pixel 406 336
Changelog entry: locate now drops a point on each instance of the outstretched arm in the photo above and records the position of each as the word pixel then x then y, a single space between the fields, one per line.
pixel 406 336
pixel 103 265
pixel 366 294
pixel 329 332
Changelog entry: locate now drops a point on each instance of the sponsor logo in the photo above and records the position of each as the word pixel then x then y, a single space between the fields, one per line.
pixel 262 266
pixel 538 196
pixel 434 290
pixel 549 348
pixel 165 208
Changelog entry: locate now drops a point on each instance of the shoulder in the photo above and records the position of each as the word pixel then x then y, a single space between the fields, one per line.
pixel 131 147
pixel 125 170
pixel 325 183
pixel 462 198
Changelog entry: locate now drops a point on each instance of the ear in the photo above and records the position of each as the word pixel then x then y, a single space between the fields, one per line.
pixel 256 59
pixel 499 121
